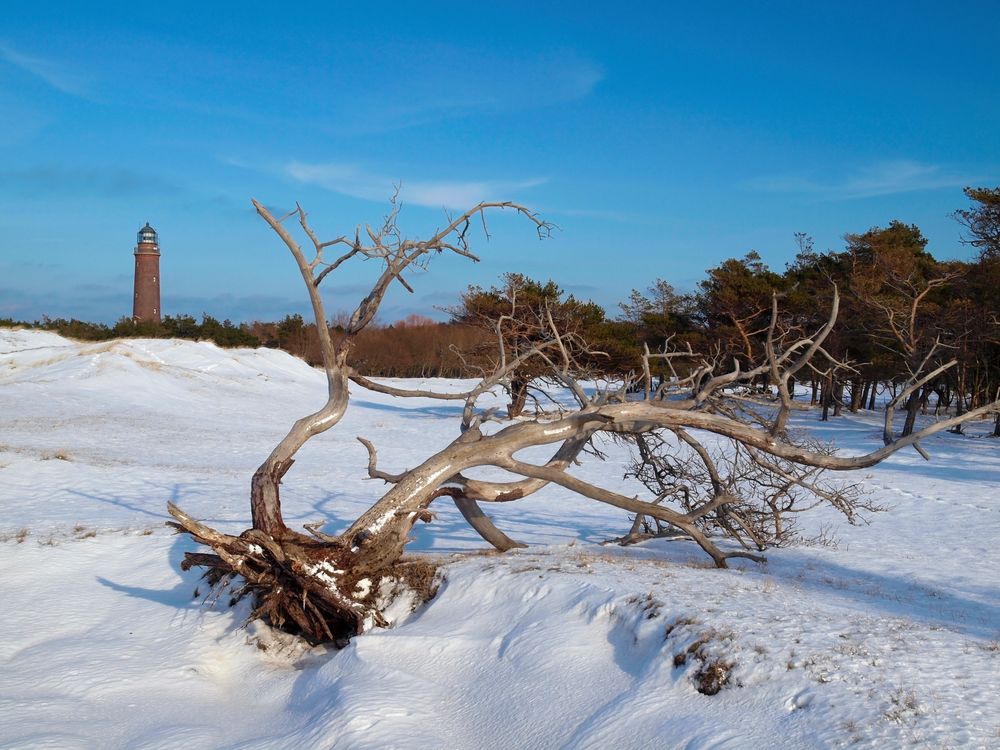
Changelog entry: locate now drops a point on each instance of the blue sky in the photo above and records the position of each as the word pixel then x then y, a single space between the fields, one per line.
pixel 662 138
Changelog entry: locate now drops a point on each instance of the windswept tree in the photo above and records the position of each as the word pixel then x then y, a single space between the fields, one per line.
pixel 519 314
pixel 659 313
pixel 810 282
pixel 982 220
pixel 894 276
pixel 659 319
pixel 329 588
pixel 735 302
pixel 978 317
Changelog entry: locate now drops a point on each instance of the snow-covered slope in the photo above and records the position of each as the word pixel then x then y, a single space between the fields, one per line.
pixel 889 638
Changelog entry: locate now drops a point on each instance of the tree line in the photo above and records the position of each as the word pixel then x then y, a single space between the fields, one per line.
pixel 224 333
pixel 901 309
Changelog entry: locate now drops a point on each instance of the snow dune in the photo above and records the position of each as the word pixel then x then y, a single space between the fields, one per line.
pixel 890 638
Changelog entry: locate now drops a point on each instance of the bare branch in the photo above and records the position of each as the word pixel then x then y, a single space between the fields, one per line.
pixel 373 470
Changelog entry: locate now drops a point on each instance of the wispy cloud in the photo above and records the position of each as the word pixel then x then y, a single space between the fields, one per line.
pixel 57 75
pixel 882 178
pixel 442 82
pixel 356 182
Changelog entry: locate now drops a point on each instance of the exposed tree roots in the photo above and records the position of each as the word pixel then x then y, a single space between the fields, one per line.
pixel 319 590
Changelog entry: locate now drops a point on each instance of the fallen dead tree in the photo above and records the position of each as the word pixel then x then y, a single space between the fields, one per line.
pixel 329 588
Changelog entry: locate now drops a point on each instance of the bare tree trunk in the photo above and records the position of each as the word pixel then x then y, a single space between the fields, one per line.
pixel 827 397
pixel 960 391
pixel 912 407
pixel 518 397
pixel 856 395
pixel 959 410
pixel 942 400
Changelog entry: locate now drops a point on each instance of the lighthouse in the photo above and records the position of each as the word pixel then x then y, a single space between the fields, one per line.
pixel 146 301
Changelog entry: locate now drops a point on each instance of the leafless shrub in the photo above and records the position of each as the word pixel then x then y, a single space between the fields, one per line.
pixel 18 536
pixel 60 455
pixel 755 497
pixel 903 706
pixel 713 670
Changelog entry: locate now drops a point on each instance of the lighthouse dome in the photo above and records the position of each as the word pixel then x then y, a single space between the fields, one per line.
pixel 147 235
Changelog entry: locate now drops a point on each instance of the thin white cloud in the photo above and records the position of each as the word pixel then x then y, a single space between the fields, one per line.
pixel 882 178
pixel 56 75
pixel 358 183
pixel 572 77
pixel 444 82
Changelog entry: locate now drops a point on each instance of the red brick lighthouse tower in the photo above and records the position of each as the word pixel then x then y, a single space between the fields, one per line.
pixel 146 305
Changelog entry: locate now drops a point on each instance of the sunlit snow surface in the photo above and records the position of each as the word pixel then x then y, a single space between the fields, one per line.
pixel 891 638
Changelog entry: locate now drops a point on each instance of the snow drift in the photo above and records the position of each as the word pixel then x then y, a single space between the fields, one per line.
pixel 887 637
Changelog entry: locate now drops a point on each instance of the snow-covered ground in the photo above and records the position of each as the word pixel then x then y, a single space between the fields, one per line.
pixel 889 638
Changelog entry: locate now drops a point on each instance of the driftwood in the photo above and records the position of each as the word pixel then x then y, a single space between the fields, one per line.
pixel 328 588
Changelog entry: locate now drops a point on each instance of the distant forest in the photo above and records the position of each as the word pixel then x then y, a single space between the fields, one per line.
pixel 899 306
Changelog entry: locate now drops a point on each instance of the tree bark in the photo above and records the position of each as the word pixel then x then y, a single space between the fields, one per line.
pixel 838 397
pixel 827 398
pixel 857 395
pixel 518 397
pixel 912 407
